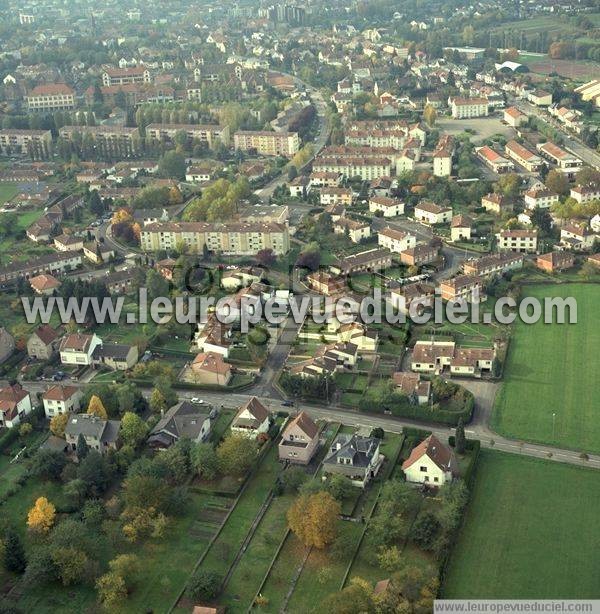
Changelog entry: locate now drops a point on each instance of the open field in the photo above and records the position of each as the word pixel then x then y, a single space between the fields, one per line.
pixel 554 369
pixel 527 532
pixel 577 70
pixel 7 191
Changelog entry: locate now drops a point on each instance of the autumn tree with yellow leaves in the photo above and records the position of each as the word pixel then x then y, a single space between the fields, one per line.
pixel 96 408
pixel 313 518
pixel 41 516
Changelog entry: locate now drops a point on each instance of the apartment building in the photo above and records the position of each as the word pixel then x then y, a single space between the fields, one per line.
pixel 419 294
pixel 267 143
pixel 430 213
pixel 55 264
pixel 463 108
pixel 419 255
pixel 122 76
pixel 517 240
pixel 396 241
pixel 568 163
pixel 370 260
pixel 494 264
pixel 366 168
pixel 493 160
pixel 233 238
pixel 51 97
pixel 195 133
pixel 121 138
pixel 585 193
pixel 442 157
pixel 463 287
pixel 389 207
pixel 523 156
pixel 540 98
pixel 19 141
pixel 540 197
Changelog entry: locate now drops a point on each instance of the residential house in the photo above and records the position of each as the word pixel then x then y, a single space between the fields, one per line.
pixel 335 195
pixel 585 193
pixel 15 404
pixel 117 356
pixel 389 207
pixel 412 386
pixel 523 156
pixel 567 162
pixel 184 420
pixel 463 108
pixel 299 440
pixel 68 243
pixel 540 197
pixel 416 296
pixel 513 117
pixel 100 435
pixel 374 259
pixel 355 457
pixel 577 237
pixel 553 262
pixel 495 203
pixel 213 336
pixel 357 230
pixel 43 343
pixel 493 160
pixel 299 186
pixel 252 419
pixel 325 283
pixel 431 463
pixel 78 349
pixel 518 240
pixel 7 345
pixel 468 288
pixel 59 399
pixel 396 241
pixel 420 255
pixel 540 98
pixel 461 228
pixel 240 277
pixel 210 368
pixel 431 214
pixel 44 284
pixel 493 264
pixel 97 252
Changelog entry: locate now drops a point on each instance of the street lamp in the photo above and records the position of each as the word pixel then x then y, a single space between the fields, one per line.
pixel 553 424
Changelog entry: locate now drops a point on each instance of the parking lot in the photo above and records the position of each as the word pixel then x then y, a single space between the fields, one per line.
pixel 483 127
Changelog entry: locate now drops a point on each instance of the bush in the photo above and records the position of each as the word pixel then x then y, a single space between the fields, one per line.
pixel 204 585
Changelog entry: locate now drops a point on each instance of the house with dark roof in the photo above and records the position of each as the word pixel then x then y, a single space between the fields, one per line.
pixel 99 434
pixel 117 356
pixel 431 463
pixel 43 343
pixel 182 421
pixel 252 419
pixel 355 457
pixel 299 441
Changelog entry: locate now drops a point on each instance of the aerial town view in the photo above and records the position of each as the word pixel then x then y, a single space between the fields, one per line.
pixel 297 306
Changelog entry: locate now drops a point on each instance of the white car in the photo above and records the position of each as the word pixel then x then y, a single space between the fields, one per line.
pixel 196 400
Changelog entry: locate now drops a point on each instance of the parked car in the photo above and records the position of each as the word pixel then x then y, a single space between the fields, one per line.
pixel 197 400
pixel 288 403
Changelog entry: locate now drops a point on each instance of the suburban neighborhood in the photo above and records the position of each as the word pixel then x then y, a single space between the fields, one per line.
pixel 434 169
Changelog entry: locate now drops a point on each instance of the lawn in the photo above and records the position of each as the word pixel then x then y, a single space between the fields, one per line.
pixel 7 191
pixel 554 368
pixel 527 532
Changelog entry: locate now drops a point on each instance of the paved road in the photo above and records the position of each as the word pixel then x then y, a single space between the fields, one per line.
pixel 571 142
pixel 320 105
pixel 478 429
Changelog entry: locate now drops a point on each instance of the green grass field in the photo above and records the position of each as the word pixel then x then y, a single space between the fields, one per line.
pixel 7 191
pixel 554 368
pixel 528 532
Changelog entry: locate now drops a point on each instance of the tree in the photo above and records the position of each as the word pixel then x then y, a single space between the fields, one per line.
pixel 236 454
pixel 25 429
pixel 41 516
pixel 48 464
pixel 265 257
pixel 425 530
pixel 460 439
pixel 96 408
pixel 556 181
pixel 158 402
pixel 58 424
pixel 204 461
pixel 14 553
pixel 310 257
pixel 430 115
pixel 204 585
pixel 292 479
pixel 172 165
pixel 313 518
pixel 71 564
pixel 356 597
pixel 389 558
pixel 112 590
pixel 340 487
pixel 76 490
pixel 133 429
pixel 94 471
pixel 82 447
